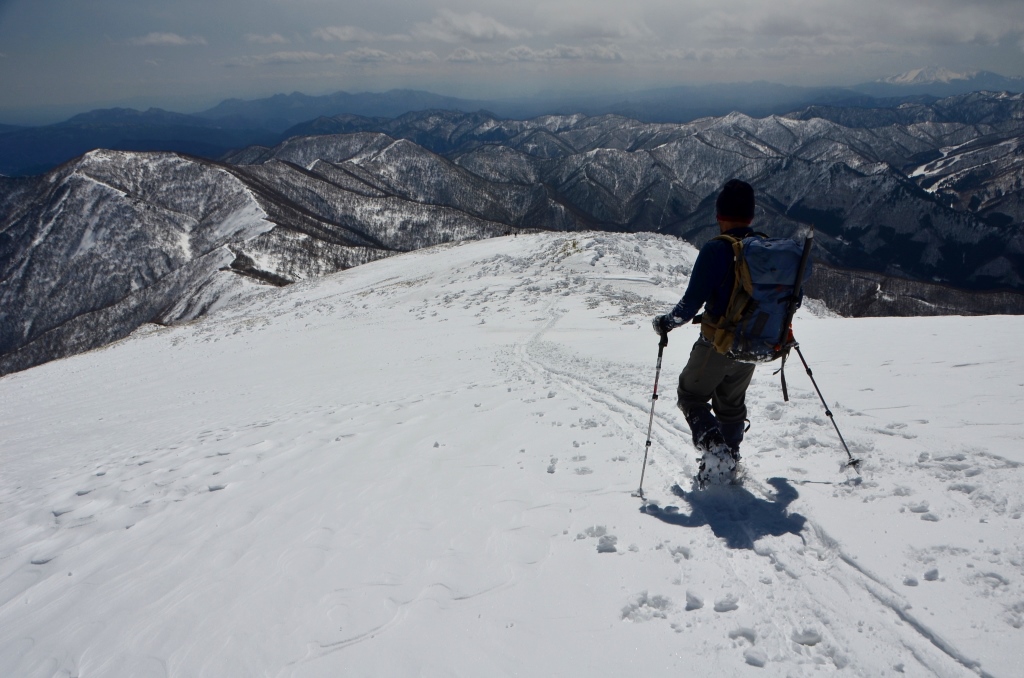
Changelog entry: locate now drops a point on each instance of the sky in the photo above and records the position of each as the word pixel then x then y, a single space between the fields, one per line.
pixel 72 55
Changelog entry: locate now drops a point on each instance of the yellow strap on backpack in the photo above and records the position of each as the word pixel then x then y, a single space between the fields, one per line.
pixel 722 331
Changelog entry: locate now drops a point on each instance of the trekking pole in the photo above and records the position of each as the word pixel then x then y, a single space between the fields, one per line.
pixel 650 424
pixel 853 463
pixel 786 336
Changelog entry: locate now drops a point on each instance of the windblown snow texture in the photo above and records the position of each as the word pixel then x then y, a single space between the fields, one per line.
pixel 423 466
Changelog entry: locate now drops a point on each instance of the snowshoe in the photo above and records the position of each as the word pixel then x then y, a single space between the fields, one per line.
pixel 718 466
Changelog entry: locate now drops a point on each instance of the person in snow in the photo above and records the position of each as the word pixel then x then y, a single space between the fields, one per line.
pixel 713 387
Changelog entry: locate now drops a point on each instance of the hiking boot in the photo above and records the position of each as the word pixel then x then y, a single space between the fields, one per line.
pixel 732 432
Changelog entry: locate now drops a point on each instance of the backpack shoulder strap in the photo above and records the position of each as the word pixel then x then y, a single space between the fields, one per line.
pixel 732 239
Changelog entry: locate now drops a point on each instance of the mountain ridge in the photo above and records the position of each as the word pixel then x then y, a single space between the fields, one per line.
pixel 939 82
pixel 331 202
pixel 236 123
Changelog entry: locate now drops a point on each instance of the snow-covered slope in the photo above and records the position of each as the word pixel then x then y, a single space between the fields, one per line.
pixel 423 466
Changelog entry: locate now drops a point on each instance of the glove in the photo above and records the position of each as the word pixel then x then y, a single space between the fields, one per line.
pixel 662 325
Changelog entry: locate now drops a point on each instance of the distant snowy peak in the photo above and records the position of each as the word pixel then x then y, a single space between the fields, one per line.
pixel 960 80
pixel 940 82
pixel 927 76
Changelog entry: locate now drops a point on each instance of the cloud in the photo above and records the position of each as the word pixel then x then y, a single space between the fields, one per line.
pixel 362 55
pixel 524 53
pixel 591 21
pixel 595 28
pixel 272 39
pixel 787 26
pixel 281 58
pixel 792 47
pixel 418 57
pixel 167 40
pixel 826 46
pixel 356 34
pixel 468 56
pixel 344 34
pixel 448 26
pixel 707 55
pixel 564 52
pixel 915 25
pixel 367 55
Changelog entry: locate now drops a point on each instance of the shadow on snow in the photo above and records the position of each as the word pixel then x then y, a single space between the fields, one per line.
pixel 734 514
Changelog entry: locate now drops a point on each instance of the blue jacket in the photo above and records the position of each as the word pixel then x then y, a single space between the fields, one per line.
pixel 711 281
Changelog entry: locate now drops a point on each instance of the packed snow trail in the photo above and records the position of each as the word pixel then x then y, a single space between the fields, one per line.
pixel 423 466
pixel 740 519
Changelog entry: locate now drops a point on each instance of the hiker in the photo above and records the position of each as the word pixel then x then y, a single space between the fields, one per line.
pixel 713 386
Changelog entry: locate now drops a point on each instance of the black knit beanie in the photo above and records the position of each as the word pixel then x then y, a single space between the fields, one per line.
pixel 736 202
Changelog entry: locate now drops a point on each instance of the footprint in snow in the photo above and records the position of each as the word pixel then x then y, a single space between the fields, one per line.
pixel 749 634
pixel 752 655
pixel 646 607
pixel 755 657
pixel 728 603
pixel 808 637
pixel 606 542
pixel 595 531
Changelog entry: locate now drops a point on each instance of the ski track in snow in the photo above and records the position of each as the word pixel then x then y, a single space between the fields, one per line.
pixel 442 446
pixel 543 361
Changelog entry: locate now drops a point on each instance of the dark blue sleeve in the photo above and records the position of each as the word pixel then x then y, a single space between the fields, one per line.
pixel 709 270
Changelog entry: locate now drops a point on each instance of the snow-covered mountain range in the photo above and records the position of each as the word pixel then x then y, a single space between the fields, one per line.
pixel 234 123
pixel 112 240
pixel 854 181
pixel 937 81
pixel 423 466
pixel 920 76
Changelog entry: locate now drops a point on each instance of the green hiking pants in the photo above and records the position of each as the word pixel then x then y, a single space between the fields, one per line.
pixel 711 377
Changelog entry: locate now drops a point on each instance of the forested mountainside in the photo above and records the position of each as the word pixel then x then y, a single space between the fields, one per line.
pixel 938 198
pixel 95 248
pixel 856 293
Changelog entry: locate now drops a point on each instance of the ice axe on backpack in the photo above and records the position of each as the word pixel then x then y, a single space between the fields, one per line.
pixel 787 342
